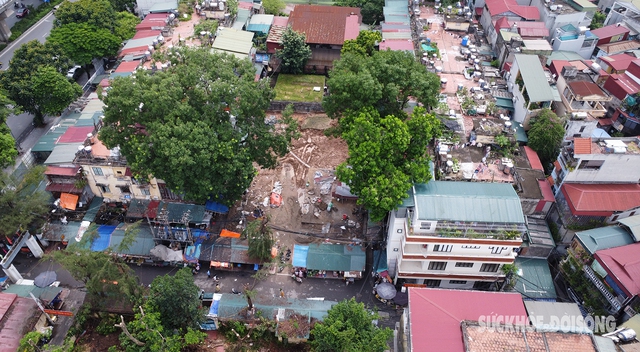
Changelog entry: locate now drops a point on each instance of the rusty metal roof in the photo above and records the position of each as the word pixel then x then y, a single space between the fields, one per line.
pixel 324 24
pixel 584 89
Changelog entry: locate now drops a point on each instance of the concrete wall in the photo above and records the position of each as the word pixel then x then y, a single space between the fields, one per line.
pixel 112 177
pixel 617 168
pixel 297 106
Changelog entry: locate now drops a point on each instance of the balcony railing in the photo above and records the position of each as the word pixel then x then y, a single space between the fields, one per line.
pixel 601 287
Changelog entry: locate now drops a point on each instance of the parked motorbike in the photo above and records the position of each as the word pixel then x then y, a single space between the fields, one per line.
pixel 280 268
pixel 235 292
pixel 298 280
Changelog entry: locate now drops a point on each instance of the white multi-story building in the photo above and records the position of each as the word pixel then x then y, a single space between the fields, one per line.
pixel 455 234
pixel 627 13
pixel 558 13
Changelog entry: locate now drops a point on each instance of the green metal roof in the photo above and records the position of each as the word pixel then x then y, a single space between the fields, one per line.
pixel 47 142
pixel 468 201
pixel 241 19
pixel 141 246
pixel 534 279
pixel 233 41
pixel 603 238
pixel 563 55
pixel 230 306
pixel 176 210
pixel 521 134
pixel 504 103
pixel 94 207
pixel 336 257
pixel 633 223
pixel 63 154
pixel 534 78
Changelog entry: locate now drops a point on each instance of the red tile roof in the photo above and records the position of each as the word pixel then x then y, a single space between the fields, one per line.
pixel 75 134
pixel 128 66
pixel 62 171
pixel 581 145
pixel 621 85
pixel 600 199
pixel 436 314
pixel 497 7
pixel 534 160
pixel 618 62
pixel 325 24
pixel 63 188
pixel 146 33
pixel 622 264
pixel 547 192
pixel 585 89
pixel 280 21
pixel 609 31
pixel 397 44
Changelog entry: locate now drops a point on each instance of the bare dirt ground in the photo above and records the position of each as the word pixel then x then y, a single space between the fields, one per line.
pixel 306 178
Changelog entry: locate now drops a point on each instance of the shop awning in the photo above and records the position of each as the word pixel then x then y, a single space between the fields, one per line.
pixel 300 255
pixel 68 201
pixel 227 233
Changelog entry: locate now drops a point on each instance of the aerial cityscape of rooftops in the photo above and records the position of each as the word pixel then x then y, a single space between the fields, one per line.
pixel 323 175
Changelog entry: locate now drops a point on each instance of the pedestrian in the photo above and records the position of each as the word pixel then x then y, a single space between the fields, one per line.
pixel 281 293
pixel 208 274
pixel 217 288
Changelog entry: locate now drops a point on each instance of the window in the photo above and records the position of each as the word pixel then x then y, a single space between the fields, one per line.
pixel 425 225
pixel 591 164
pixel 489 268
pixel 104 188
pixel 119 173
pixel 433 283
pixel 437 265
pixel 97 171
pixel 470 247
pixel 442 248
pixel 145 192
pixel 399 230
pixel 457 282
pixel 464 265
pixel 582 128
pixel 124 189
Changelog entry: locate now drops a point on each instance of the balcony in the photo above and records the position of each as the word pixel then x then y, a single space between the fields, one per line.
pixel 595 280
pixel 494 231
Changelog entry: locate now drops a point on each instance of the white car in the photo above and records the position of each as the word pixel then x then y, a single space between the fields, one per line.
pixel 74 72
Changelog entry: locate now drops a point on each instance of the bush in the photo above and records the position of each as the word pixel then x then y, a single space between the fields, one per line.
pixel 107 325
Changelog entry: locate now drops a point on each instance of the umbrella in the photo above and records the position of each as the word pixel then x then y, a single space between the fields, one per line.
pixel 45 278
pixel 386 290
pixel 401 299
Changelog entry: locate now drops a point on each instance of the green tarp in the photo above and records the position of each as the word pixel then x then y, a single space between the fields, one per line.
pixel 336 257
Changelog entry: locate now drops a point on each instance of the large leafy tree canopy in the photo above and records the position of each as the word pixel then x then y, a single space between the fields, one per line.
pixel 17 80
pixel 364 44
pixel 545 136
pixel 126 25
pixel 8 151
pixel 22 206
pixel 177 299
pixel 273 7
pixel 349 328
pixel 384 80
pixel 123 5
pixel 107 278
pixel 52 91
pixel 83 42
pixel 95 13
pixel 199 125
pixel 386 156
pixel 260 239
pixel 294 53
pixel 371 10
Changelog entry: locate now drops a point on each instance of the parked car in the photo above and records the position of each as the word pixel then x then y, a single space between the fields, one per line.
pixel 22 12
pixel 74 72
pixel 55 8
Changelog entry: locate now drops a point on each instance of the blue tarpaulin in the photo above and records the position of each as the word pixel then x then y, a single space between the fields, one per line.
pixel 192 253
pixel 380 261
pixel 104 237
pixel 216 207
pixel 300 255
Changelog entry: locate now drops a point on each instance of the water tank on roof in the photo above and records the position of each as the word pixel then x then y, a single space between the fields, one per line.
pixel 221 6
pixel 160 39
pixel 596 67
pixel 147 55
pixel 155 42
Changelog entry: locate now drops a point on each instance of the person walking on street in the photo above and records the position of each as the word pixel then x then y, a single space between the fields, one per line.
pixel 208 274
pixel 281 293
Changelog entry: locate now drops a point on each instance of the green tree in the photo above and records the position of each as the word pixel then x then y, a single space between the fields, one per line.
pixel 124 5
pixel 545 136
pixel 260 239
pixel 349 328
pixel 294 53
pixel 83 42
pixel 364 44
pixel 8 151
pixel 385 80
pixel 17 80
pixel 94 13
pixel 52 92
pixel 273 7
pixel 126 23
pixel 145 333
pixel 21 204
pixel 204 117
pixel 386 156
pixel 177 299
pixel 598 20
pixel 371 10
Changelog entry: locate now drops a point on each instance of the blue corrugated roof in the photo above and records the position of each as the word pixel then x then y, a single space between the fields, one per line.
pixel 300 253
pixel 104 238
pixel 468 201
